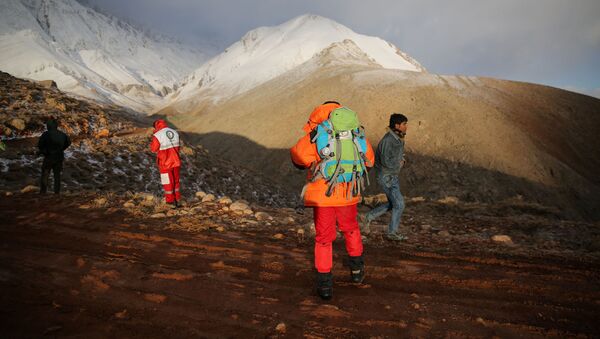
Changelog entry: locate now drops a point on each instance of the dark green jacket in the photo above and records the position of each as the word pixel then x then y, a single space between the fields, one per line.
pixel 390 152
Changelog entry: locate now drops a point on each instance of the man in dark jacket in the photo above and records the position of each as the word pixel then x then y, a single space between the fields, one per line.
pixel 389 159
pixel 52 145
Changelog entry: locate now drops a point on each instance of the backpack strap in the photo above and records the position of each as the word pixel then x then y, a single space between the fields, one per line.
pixel 363 156
pixel 338 169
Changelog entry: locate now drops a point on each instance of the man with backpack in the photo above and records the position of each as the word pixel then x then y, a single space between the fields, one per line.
pixel 337 154
pixel 389 159
pixel 52 146
pixel 165 143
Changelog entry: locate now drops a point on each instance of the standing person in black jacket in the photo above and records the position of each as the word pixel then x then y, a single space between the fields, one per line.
pixel 52 145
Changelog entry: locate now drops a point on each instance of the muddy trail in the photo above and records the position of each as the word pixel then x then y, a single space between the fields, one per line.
pixel 69 268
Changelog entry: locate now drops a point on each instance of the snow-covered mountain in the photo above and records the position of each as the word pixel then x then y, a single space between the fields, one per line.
pixel 89 53
pixel 267 52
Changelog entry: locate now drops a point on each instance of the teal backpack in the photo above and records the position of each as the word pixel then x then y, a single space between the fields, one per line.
pixel 341 144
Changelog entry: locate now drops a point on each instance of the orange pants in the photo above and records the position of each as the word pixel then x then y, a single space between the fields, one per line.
pixel 325 227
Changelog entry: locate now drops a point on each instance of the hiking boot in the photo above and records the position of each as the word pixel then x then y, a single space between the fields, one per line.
pixel 364 224
pixel 325 285
pixel 396 237
pixel 357 269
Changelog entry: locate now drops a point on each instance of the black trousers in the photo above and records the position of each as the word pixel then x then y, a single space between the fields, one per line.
pixel 56 167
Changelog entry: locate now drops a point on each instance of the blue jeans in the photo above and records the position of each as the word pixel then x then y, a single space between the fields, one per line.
pixel 391 186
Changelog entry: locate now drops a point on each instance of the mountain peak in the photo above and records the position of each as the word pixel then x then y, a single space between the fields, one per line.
pixel 312 19
pixel 267 52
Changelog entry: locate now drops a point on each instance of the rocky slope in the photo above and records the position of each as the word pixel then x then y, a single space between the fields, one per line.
pixel 110 150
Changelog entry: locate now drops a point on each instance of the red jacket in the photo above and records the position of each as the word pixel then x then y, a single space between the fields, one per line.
pixel 165 142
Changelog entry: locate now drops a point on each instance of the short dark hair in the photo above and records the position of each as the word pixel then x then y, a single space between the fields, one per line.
pixel 397 118
pixel 331 102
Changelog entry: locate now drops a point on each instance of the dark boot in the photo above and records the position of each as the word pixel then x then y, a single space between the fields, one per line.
pixel 357 269
pixel 325 285
pixel 56 171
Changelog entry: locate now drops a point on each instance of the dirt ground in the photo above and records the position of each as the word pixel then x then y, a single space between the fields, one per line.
pixel 66 271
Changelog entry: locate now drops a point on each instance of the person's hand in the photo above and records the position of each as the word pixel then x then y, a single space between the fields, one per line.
pixel 402 162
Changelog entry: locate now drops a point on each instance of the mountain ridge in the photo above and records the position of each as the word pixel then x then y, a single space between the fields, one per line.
pixel 267 52
pixel 90 54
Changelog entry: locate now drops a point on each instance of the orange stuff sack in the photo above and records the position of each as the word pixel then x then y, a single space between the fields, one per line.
pixel 318 115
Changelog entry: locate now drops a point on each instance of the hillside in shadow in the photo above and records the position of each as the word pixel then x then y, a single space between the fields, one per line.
pixel 423 176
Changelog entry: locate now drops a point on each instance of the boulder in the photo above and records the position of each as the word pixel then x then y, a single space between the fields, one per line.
pixel 288 220
pixel 146 196
pixel 444 234
pixel 47 83
pixel 225 200
pixel 503 239
pixel 262 216
pixel 208 198
pixel 18 124
pixel 30 188
pixel 239 206
pixel 100 201
pixel 281 328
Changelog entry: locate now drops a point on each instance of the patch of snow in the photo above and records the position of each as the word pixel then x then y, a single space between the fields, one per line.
pixel 90 54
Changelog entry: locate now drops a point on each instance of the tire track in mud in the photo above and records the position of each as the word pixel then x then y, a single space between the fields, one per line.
pixel 98 273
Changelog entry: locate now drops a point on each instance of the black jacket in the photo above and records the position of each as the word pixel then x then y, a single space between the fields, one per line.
pixel 53 142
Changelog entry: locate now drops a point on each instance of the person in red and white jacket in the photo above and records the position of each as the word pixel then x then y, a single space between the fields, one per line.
pixel 165 143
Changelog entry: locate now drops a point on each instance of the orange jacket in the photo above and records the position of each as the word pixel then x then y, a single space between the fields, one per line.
pixel 165 143
pixel 304 154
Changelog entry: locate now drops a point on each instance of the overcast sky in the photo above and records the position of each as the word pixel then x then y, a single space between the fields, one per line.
pixel 553 42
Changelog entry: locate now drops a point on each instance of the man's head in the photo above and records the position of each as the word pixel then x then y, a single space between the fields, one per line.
pixel 52 124
pixel 398 123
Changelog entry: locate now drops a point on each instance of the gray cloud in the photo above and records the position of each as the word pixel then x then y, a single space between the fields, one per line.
pixel 552 42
